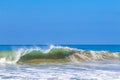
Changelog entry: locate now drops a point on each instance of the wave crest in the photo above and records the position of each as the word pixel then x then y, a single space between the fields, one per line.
pixel 55 54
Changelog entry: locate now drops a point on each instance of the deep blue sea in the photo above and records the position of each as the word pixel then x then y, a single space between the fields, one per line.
pixel 59 62
pixel 114 48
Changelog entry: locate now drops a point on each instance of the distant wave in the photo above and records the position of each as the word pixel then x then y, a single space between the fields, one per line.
pixel 55 54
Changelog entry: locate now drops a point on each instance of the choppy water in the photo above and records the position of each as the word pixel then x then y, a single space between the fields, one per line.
pixel 70 63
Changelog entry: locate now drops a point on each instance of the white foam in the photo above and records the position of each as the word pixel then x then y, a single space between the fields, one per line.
pixel 60 72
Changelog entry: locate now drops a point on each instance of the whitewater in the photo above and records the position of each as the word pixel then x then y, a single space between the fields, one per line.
pixel 60 62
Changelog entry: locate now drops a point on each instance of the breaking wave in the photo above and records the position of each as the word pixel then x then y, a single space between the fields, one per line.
pixel 56 54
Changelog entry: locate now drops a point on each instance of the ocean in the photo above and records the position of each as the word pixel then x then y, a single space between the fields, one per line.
pixel 59 62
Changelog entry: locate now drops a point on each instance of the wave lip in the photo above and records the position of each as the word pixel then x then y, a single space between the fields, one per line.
pixel 56 54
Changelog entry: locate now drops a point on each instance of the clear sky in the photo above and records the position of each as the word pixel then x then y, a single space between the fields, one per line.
pixel 59 21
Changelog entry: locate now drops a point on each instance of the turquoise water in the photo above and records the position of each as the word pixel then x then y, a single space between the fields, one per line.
pixel 60 62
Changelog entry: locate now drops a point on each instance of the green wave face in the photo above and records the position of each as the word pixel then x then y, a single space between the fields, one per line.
pixel 52 55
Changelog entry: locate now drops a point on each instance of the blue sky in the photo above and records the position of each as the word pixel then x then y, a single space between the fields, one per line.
pixel 59 22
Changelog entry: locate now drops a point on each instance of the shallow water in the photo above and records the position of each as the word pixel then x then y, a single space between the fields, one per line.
pixel 69 71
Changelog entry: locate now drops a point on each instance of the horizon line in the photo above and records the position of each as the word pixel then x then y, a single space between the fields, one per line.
pixel 49 44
